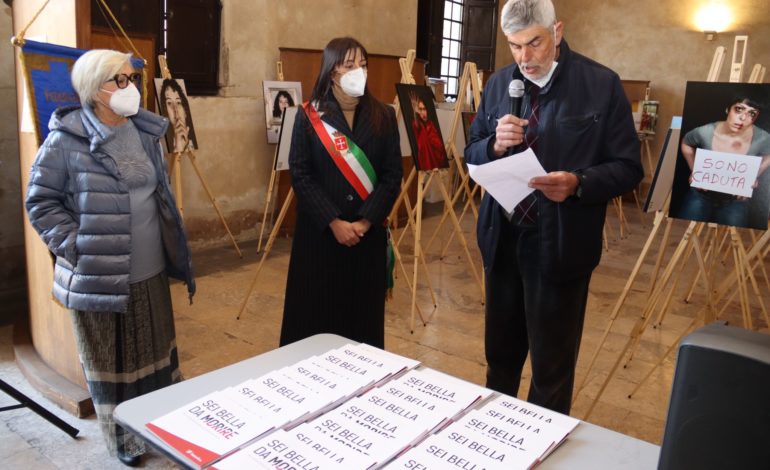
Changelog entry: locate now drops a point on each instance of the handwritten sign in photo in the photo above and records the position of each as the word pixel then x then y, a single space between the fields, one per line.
pixel 725 172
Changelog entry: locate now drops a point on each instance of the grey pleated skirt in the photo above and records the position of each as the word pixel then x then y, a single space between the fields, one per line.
pixel 125 355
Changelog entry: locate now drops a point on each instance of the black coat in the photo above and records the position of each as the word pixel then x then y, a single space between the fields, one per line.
pixel 332 288
pixel 585 125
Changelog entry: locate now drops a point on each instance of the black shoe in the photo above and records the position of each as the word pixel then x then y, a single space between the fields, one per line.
pixel 129 460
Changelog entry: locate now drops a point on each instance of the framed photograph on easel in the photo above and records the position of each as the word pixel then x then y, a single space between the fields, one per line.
pixel 724 153
pixel 173 104
pixel 422 126
pixel 279 96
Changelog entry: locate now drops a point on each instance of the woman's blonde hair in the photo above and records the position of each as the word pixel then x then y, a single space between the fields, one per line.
pixel 94 68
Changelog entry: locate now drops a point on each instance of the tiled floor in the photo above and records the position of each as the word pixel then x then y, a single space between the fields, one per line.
pixel 210 336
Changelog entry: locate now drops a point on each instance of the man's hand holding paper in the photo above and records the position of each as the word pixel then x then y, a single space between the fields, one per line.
pixel 508 179
pixel 556 185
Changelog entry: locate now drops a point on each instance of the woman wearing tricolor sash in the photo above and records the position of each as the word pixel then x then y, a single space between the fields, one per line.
pixel 345 162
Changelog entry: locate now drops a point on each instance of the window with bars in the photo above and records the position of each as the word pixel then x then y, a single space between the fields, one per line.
pixel 186 31
pixel 451 45
pixel 452 32
pixel 190 31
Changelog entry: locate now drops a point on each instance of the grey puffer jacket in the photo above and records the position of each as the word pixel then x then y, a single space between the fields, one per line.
pixel 79 204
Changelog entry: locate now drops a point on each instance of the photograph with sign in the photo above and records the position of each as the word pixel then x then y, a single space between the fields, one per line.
pixel 724 153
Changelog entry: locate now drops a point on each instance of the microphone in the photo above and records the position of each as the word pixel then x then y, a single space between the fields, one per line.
pixel 516 92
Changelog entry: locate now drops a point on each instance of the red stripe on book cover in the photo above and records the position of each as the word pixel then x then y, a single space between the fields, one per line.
pixel 195 453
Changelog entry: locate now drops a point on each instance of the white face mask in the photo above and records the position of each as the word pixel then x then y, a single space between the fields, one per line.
pixel 124 101
pixel 543 81
pixel 353 83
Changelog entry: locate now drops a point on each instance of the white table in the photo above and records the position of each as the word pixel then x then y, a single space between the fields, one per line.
pixel 588 447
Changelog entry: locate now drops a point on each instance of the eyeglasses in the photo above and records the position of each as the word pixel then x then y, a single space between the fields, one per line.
pixel 122 80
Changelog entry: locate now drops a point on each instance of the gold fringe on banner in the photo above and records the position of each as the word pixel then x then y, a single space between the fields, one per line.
pixel 28 83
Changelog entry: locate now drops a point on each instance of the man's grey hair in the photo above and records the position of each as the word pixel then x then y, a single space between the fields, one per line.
pixel 94 68
pixel 521 14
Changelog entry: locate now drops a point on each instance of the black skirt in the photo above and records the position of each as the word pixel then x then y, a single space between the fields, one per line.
pixel 332 288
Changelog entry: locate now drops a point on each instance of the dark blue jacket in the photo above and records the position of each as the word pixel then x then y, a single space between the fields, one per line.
pixel 585 126
pixel 79 204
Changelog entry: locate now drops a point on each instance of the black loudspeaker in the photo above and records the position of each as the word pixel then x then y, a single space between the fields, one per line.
pixel 719 413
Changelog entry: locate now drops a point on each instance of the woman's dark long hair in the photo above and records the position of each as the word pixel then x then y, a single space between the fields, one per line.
pixel 334 54
pixel 277 102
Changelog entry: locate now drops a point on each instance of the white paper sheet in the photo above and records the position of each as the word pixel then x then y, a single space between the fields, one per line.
pixel 725 172
pixel 506 179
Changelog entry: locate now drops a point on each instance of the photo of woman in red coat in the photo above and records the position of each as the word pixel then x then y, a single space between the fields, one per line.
pixel 425 136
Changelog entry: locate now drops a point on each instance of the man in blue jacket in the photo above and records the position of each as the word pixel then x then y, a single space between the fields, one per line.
pixel 539 258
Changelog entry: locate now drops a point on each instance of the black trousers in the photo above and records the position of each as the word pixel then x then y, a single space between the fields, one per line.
pixel 527 312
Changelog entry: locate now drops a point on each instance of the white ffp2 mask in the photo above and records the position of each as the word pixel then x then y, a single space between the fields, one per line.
pixel 124 101
pixel 353 83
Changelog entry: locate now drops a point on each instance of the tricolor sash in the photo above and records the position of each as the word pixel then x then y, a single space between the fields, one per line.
pixel 348 156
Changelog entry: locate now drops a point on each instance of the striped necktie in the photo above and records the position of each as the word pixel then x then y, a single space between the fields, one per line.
pixel 525 213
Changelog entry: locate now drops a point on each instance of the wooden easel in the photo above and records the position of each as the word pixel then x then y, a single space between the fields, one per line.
pixel 274 174
pixel 716 66
pixel 690 236
pixel 724 233
pixel 175 168
pixel 757 74
pixel 742 274
pixel 268 247
pixel 414 215
pixel 406 64
pixel 469 78
pixel 713 74
pixel 424 179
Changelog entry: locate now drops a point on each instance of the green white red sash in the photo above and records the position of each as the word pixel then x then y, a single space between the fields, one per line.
pixel 348 156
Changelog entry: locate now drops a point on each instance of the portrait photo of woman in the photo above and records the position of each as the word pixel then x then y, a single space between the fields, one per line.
pixel 739 128
pixel 278 96
pixel 174 105
pixel 282 101
pixel 422 127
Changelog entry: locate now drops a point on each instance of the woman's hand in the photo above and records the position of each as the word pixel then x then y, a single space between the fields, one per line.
pixel 345 232
pixel 753 186
pixel 361 227
pixel 697 189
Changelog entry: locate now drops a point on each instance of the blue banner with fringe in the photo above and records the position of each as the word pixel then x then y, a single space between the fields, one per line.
pixel 47 75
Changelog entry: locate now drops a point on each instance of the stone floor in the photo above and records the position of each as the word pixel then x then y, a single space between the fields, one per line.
pixel 210 336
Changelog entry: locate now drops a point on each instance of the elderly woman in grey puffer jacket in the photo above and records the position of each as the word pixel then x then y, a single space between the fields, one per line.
pixel 99 198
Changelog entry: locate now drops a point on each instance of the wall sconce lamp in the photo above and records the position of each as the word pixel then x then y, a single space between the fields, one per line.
pixel 713 18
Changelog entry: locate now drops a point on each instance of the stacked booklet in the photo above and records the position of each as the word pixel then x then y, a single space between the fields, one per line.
pixel 505 433
pixel 220 423
pixel 360 407
pixel 369 430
